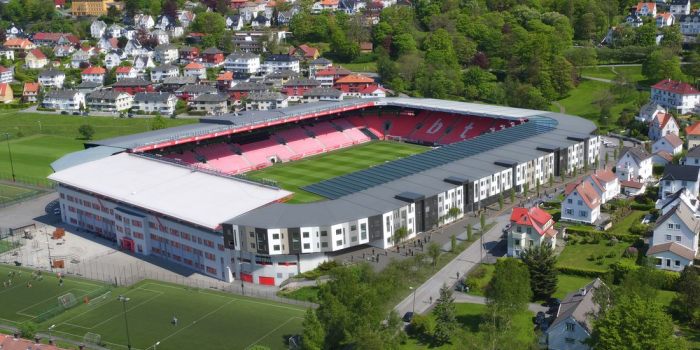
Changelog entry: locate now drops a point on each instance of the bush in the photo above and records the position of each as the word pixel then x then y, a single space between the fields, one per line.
pixel 630 252
pixel 421 326
pixel 480 272
pixel 45 109
pixel 582 272
pixel 643 207
pixel 28 329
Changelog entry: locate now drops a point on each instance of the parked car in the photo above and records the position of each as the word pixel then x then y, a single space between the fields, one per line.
pixel 407 317
pixel 540 318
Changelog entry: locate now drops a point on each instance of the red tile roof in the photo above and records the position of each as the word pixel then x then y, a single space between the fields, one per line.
pixel 17 42
pixel 333 71
pixel 8 342
pixel 354 79
pixel 372 88
pixel 650 5
pixel 533 217
pixel 605 175
pixel 38 54
pixel 3 69
pixel 94 71
pixel 56 36
pixel 124 70
pixel 225 76
pixel 194 65
pixel 662 119
pixel 588 194
pixel 674 248
pixel 674 140
pixel 676 87
pixel 665 155
pixel 3 89
pixel 693 129
pixel 632 184
pixel 31 87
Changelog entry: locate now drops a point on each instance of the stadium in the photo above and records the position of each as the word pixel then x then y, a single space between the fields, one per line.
pixel 261 196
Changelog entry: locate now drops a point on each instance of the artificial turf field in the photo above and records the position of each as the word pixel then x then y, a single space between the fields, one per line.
pixel 9 192
pixel 206 319
pixel 294 175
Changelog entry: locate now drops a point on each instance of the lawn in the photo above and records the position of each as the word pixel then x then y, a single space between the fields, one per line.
pixel 592 256
pixel 633 73
pixel 223 321
pixel 369 67
pixel 582 101
pixel 9 192
pixel 294 175
pixel 39 139
pixel 469 317
pixel 623 226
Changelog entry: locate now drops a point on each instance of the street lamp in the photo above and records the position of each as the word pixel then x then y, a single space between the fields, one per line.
pixel 155 346
pixel 124 300
pixel 9 151
pixel 414 298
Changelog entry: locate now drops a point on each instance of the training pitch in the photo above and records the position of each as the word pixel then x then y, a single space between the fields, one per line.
pixel 294 175
pixel 9 192
pixel 205 319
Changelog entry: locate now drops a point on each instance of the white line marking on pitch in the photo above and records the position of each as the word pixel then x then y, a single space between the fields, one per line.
pixel 270 332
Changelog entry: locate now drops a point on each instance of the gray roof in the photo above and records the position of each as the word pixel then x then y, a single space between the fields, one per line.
pixel 280 58
pixel 282 74
pixel 211 51
pixel 266 96
pixel 163 47
pixel 684 213
pixel 320 61
pixel 88 85
pixel 61 94
pixel 694 152
pixel 248 86
pixel 211 98
pixel 51 73
pixel 302 82
pixel 105 95
pixel 245 55
pixel 323 92
pixel 179 80
pixel 638 153
pixel 84 156
pixel 131 82
pixel 681 172
pixel 579 306
pixel 197 89
pixel 165 68
pixel 152 96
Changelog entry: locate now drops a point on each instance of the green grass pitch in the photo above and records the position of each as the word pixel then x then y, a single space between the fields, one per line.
pixel 294 175
pixel 9 192
pixel 206 319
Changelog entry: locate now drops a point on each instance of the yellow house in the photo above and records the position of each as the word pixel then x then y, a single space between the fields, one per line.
pixel 6 93
pixel 90 7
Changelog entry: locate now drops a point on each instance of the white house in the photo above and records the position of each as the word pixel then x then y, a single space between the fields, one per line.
pixel 114 31
pixel 150 102
pixel 682 195
pixel 634 164
pixel 646 9
pixel 322 94
pixel 164 71
pixel 680 7
pixel 606 184
pixel 126 73
pixel 676 177
pixel 234 22
pixel 97 29
pixel 143 62
pixel 112 60
pixel 633 188
pixel 670 143
pixel 242 62
pixel 166 53
pixel 674 244
pixel 581 203
pixel 574 320
pixel 93 74
pixel 665 19
pixel 373 91
pixel 80 57
pixel 35 59
pixel 324 5
pixel 7 53
pixel 134 48
pixel 662 125
pixel 186 17
pixel 634 20
pixel 161 36
pixel 6 75
pixel 196 70
pixel 274 63
pixel 675 95
pixel 266 100
pixel 64 100
pixel 692 157
pixel 109 101
pixel 144 21
pixel 530 227
pixel 52 78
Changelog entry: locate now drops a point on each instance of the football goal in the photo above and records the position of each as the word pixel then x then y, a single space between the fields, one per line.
pixel 92 338
pixel 67 300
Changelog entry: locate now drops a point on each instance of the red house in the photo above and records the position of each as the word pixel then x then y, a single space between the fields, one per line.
pixel 188 53
pixel 224 81
pixel 353 84
pixel 242 89
pixel 133 86
pixel 295 88
pixel 213 57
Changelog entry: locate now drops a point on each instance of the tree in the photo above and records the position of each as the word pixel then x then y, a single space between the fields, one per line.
pixel 509 290
pixel 453 243
pixel 313 334
pixel 28 329
pixel 686 305
pixel 541 262
pixel 551 180
pixel 482 222
pixel 662 64
pixel 512 195
pixel 470 231
pixel 500 201
pixel 537 186
pixel 400 234
pixel 434 251
pixel 633 323
pixel 445 320
pixel 526 188
pixel 86 130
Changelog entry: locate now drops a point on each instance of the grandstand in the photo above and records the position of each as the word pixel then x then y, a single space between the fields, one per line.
pixel 249 233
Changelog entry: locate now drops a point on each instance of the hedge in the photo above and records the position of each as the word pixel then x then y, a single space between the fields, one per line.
pixel 640 206
pixel 577 271
pixel 603 235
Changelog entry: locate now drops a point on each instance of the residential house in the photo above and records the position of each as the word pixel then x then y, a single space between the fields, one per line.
pixel 114 31
pixel 7 53
pixel 236 4
pixel 678 176
pixel 163 22
pixel 304 52
pixel 373 91
pixel 87 87
pixel 674 244
pixel 353 84
pixel 53 39
pixel 19 44
pixel 250 10
pixel 164 71
pixel 192 91
pixel 606 184
pixel 212 57
pixel 649 112
pixel 35 59
pixel 92 8
pixel 248 43
pixel 351 6
pixel 275 63
pixel 661 158
pixel 682 195
pixel 634 165
pixel 52 78
pixel 692 157
pixel 670 143
pixel 125 73
pixel 646 9
pixel 162 37
pixel 144 21
pixel 319 64
pixel 30 93
pixel 166 53
pixel 266 100
pixel 242 90
pixel 6 94
pixel 284 17
pixel 172 84
pixel 692 133
pixel 234 22
pixel 142 63
pixel 133 86
pixel 212 104
pixel 80 57
pixel 243 62
pixel 14 31
pixel 94 74
pixel 530 227
pixel 109 101
pixel 277 79
pixel 366 47
pixel 634 20
pixel 6 75
pixel 328 76
pixel 63 50
pixel 194 38
pixel 573 323
pixel 64 100
pixel 675 95
pixel 662 125
pixel 322 94
pixel 185 17
pixel 188 54
pixel 224 81
pixel 260 21
pixel 295 88
pixel 196 70
pixel 155 102
pixel 112 60
pixel 581 203
pixel 98 29
pixel 324 5
pixel 665 19
pixel 680 7
pixel 134 48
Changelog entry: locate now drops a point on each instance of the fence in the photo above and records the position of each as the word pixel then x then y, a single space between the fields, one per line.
pixel 40 182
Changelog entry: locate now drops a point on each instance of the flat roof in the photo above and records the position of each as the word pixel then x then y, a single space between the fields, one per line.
pixel 194 196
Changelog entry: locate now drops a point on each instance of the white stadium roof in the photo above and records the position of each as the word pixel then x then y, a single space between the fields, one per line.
pixel 194 196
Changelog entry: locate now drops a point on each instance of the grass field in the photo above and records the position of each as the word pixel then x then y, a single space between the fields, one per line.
pixel 633 73
pixel 219 320
pixel 369 67
pixel 592 256
pixel 39 139
pixel 292 176
pixel 9 192
pixel 582 101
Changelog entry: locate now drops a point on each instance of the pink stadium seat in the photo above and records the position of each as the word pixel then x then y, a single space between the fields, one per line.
pixel 300 142
pixel 375 124
pixel 259 153
pixel 329 136
pixel 351 131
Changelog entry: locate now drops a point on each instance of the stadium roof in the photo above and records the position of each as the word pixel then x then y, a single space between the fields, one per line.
pixel 198 197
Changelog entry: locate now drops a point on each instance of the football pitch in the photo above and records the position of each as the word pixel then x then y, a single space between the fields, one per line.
pixel 205 319
pixel 294 175
pixel 9 192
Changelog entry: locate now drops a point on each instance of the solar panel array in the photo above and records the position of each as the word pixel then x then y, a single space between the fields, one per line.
pixel 361 180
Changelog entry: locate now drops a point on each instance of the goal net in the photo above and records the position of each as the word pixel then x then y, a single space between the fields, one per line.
pixel 99 300
pixel 67 300
pixel 92 338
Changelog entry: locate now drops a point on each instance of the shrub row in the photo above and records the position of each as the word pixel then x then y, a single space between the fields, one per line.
pixel 582 272
pixel 640 206
pixel 602 235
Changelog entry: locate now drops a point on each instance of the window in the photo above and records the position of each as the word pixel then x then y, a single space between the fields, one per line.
pixel 305 235
pixel 338 231
pixel 677 263
pixel 324 244
pixel 516 242
pixel 570 211
pixel 252 245
pixel 275 236
pixel 353 228
pixel 668 262
pixel 570 326
pixel 678 238
pixel 307 246
pixel 670 226
pixel 519 229
pixel 276 247
pixel 582 213
pixel 678 226
pixel 324 233
pixel 570 340
pixel 339 242
pixel 529 230
pixel 580 202
pixel 668 237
